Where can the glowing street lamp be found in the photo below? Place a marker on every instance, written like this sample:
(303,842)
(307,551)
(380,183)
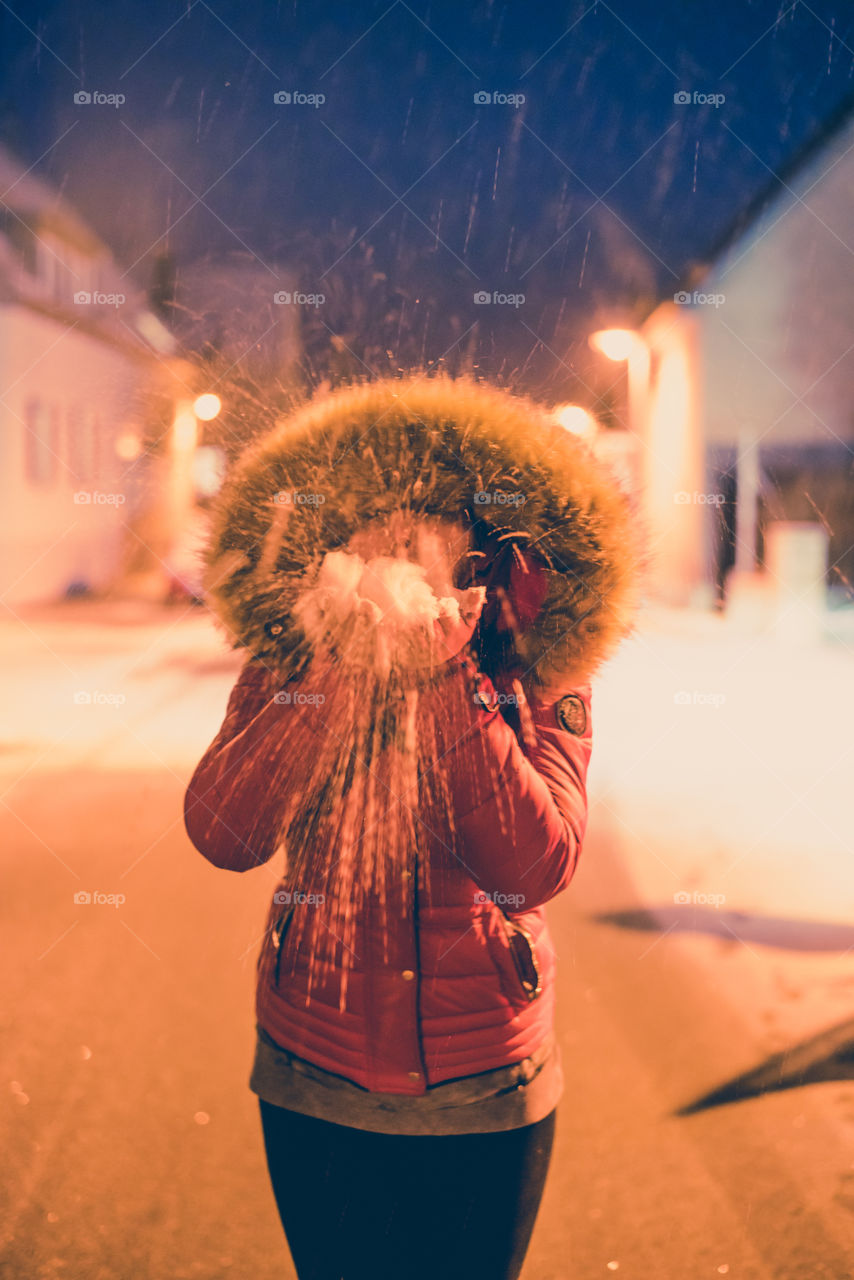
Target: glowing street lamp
(184,431)
(663,421)
(628,345)
(616,344)
(128,446)
(574,418)
(207,406)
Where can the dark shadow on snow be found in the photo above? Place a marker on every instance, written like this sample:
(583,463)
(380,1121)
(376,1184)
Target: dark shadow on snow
(827,1056)
(824,1057)
(771,931)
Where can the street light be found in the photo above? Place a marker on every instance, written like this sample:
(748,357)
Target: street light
(184,430)
(628,345)
(616,344)
(207,406)
(128,446)
(662,418)
(574,418)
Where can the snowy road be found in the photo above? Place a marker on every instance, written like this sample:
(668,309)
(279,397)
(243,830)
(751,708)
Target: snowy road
(132,1142)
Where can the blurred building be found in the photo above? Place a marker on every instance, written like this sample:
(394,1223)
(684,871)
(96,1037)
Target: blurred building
(750,416)
(242,315)
(88,382)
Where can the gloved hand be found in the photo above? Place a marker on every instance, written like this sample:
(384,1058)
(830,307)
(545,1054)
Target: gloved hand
(516,589)
(516,582)
(452,634)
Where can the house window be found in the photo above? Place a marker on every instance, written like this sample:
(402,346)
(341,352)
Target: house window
(62,282)
(22,238)
(82,445)
(41,440)
(59,281)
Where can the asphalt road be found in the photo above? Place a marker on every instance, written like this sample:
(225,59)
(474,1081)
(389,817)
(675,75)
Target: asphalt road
(131,1142)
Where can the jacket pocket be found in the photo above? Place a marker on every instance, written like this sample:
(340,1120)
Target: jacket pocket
(514,956)
(524,954)
(278,932)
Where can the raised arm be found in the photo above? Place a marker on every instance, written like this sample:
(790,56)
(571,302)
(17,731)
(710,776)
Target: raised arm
(229,813)
(521,811)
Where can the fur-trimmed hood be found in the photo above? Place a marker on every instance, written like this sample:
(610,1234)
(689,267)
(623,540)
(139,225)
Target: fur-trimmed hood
(454,449)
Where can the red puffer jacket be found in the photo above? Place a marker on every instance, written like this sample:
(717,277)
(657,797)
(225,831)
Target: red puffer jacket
(467,983)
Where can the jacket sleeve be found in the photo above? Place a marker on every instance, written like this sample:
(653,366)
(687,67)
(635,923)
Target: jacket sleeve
(229,815)
(519,813)
(521,810)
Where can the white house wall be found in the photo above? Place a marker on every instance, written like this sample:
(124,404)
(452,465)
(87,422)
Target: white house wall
(675,502)
(768,337)
(47,539)
(777,353)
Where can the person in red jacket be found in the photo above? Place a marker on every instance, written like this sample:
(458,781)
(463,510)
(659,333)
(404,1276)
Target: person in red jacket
(408,1127)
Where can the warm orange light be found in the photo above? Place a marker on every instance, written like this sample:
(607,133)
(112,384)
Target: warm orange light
(186,430)
(128,446)
(616,344)
(207,406)
(575,419)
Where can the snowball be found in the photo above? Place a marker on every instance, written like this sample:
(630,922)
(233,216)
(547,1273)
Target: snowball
(384,609)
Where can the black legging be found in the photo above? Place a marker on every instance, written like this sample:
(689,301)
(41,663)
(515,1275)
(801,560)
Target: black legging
(378,1206)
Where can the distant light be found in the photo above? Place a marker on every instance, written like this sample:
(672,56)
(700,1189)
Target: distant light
(575,419)
(207,406)
(186,429)
(616,344)
(208,470)
(155,333)
(128,446)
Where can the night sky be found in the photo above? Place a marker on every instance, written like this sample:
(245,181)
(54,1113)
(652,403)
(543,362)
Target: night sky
(591,197)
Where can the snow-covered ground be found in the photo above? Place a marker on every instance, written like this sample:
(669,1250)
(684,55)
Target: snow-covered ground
(724,757)
(721,769)
(118,684)
(737,791)
(727,757)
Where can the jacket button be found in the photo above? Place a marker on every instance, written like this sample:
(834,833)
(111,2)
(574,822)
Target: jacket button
(414,1075)
(407,975)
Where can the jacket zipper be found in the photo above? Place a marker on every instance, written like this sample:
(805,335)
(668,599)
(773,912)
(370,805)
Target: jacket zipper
(415,926)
